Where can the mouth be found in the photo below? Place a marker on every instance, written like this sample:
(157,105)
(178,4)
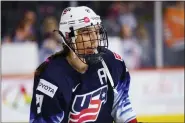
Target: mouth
(90,51)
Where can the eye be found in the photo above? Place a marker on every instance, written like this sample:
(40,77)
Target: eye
(85,33)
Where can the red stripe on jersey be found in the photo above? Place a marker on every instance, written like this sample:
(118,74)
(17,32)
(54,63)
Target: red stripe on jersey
(133,121)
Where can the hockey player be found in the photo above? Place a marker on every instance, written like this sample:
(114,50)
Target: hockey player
(85,82)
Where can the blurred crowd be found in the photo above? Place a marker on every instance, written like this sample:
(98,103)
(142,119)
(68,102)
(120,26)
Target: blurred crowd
(132,22)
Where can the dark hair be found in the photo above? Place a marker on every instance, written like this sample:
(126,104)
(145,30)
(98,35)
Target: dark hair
(62,53)
(65,51)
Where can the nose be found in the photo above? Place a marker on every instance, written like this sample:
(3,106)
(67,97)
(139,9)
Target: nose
(91,44)
(94,40)
(94,43)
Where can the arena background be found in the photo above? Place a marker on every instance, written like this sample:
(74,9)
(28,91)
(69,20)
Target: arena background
(148,35)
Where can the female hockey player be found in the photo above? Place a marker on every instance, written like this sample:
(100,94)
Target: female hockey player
(85,82)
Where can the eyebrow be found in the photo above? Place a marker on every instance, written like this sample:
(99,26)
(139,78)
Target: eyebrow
(84,29)
(87,29)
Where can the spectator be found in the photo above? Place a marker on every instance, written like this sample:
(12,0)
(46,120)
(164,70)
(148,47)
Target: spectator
(25,30)
(49,47)
(132,51)
(115,8)
(111,22)
(144,41)
(112,25)
(50,43)
(50,23)
(30,19)
(20,33)
(127,17)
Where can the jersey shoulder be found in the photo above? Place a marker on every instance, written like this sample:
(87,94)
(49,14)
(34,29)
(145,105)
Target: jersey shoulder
(51,67)
(52,73)
(113,57)
(115,64)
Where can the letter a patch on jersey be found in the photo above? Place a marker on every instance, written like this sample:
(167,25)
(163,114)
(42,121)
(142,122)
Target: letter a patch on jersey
(47,88)
(117,56)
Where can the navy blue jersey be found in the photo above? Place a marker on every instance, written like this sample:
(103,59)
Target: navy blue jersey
(63,95)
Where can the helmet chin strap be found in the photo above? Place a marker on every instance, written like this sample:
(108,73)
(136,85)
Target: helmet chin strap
(92,59)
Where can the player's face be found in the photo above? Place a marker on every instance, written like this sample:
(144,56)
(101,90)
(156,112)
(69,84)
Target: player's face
(87,40)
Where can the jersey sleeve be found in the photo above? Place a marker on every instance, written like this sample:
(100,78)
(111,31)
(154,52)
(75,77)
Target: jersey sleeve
(122,111)
(46,102)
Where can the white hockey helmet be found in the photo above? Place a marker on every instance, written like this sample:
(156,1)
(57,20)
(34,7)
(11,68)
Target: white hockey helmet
(75,18)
